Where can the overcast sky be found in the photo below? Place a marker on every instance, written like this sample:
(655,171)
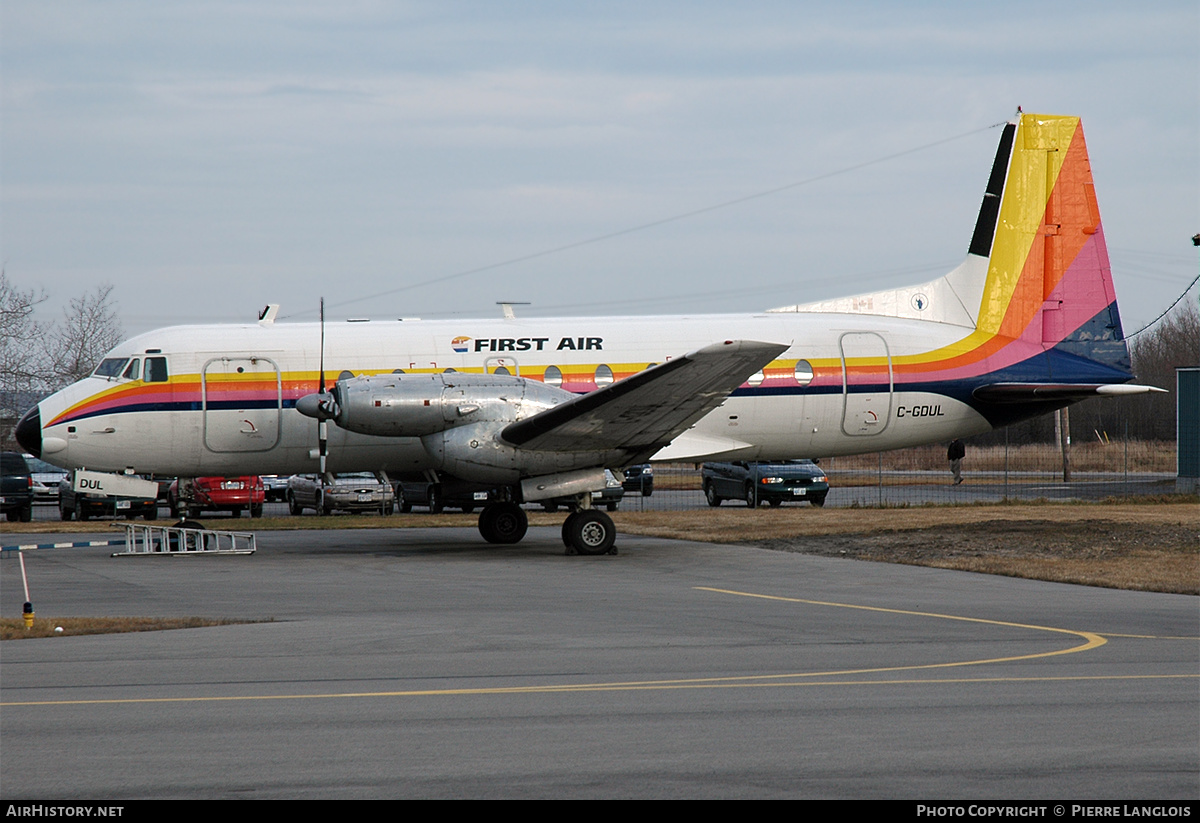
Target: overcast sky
(209,158)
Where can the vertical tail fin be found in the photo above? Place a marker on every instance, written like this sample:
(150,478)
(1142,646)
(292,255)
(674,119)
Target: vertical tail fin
(1048,280)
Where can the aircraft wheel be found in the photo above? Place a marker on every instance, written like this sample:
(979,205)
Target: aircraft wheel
(590,532)
(710,494)
(504,523)
(294,508)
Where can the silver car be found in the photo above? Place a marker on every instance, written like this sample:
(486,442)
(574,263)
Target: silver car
(359,492)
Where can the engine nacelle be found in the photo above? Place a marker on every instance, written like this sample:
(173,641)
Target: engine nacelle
(415,405)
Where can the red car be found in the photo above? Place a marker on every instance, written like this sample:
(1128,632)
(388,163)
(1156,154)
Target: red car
(231,494)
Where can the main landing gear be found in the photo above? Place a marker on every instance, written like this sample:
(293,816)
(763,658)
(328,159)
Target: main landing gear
(588,531)
(585,531)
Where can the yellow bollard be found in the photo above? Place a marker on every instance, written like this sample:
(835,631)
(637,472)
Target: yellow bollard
(27,614)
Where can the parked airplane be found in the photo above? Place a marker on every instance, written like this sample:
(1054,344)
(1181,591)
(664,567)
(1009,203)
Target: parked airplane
(538,408)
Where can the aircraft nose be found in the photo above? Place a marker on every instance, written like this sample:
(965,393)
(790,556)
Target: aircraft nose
(29,431)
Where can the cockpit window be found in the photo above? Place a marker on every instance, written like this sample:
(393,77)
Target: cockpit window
(156,370)
(134,370)
(110,367)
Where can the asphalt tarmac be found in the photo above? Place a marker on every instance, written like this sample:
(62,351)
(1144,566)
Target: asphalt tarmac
(425,663)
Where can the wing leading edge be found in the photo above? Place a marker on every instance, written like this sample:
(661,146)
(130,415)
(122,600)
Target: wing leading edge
(645,411)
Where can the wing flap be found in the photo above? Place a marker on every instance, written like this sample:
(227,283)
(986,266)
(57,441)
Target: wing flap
(648,409)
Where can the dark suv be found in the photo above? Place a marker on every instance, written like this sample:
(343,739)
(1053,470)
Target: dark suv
(799,480)
(16,487)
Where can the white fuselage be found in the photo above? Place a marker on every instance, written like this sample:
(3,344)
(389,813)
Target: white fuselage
(227,407)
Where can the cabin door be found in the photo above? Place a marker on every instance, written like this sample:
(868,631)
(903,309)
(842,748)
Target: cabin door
(866,384)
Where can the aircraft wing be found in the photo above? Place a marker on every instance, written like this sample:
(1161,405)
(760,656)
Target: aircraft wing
(645,411)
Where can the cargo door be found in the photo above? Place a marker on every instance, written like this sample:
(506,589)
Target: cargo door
(242,400)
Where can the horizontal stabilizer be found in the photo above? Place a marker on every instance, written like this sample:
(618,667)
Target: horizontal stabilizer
(1068,392)
(648,409)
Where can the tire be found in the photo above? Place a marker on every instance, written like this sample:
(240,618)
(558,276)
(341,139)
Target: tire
(173,505)
(818,501)
(294,508)
(65,513)
(775,503)
(467,508)
(235,511)
(710,494)
(612,507)
(550,506)
(151,513)
(256,510)
(319,504)
(401,503)
(751,498)
(81,513)
(591,532)
(503,523)
(26,514)
(647,491)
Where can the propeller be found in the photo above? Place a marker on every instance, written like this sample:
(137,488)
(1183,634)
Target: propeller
(323,406)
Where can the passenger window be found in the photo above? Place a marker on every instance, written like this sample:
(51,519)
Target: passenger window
(804,372)
(156,370)
(553,376)
(133,370)
(604,376)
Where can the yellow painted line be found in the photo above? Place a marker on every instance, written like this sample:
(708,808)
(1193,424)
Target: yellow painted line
(1091,641)
(662,685)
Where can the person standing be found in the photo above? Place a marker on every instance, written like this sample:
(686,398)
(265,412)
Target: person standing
(955,455)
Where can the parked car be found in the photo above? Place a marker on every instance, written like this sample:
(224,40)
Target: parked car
(74,505)
(16,488)
(773,483)
(275,486)
(609,497)
(46,478)
(436,498)
(359,492)
(639,480)
(231,494)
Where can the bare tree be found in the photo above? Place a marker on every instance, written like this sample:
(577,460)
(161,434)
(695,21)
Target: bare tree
(89,328)
(1171,343)
(22,339)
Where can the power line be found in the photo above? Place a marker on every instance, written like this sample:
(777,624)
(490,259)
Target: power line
(654,223)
